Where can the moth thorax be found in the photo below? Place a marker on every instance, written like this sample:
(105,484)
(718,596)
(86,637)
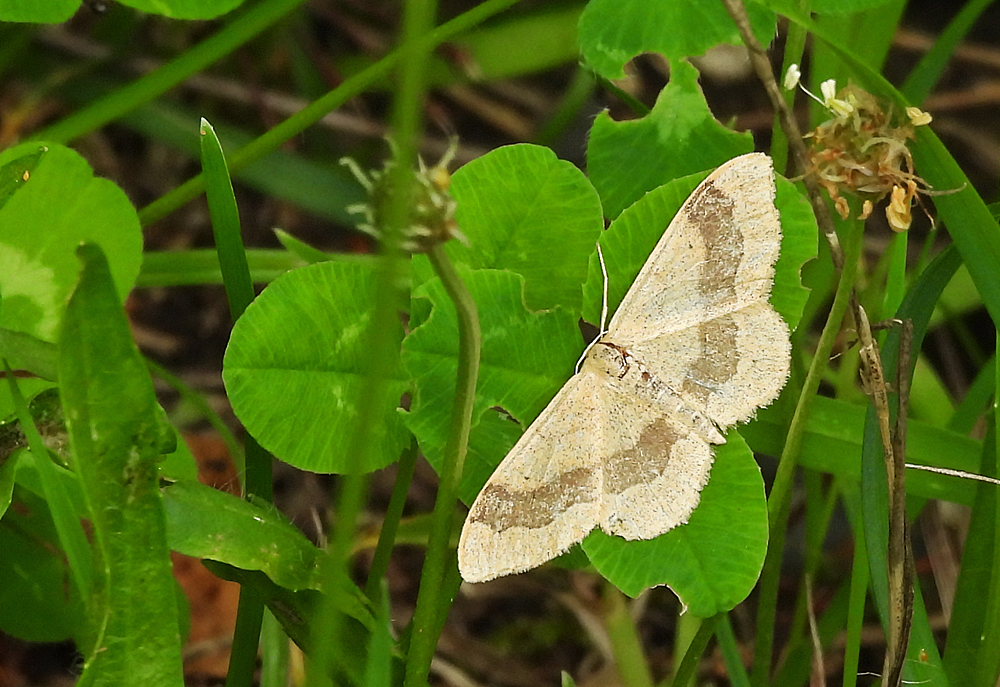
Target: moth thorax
(610,359)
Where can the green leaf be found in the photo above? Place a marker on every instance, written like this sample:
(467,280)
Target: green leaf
(799,237)
(184,9)
(830,7)
(295,368)
(709,563)
(28,353)
(525,358)
(36,603)
(296,611)
(41,226)
(54,483)
(8,469)
(612,32)
(116,438)
(523,209)
(16,173)
(48,12)
(208,523)
(680,136)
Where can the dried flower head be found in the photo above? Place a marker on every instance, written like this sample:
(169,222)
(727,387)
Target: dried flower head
(862,149)
(431,208)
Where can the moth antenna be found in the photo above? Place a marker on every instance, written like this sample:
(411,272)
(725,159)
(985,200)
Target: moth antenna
(604,311)
(604,301)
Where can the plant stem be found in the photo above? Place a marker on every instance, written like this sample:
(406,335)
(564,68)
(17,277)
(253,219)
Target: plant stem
(629,658)
(425,629)
(390,525)
(780,497)
(688,667)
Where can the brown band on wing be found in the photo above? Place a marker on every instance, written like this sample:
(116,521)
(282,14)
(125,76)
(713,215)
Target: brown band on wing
(641,463)
(718,360)
(714,215)
(502,508)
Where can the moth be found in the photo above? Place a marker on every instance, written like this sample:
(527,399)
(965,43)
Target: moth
(694,348)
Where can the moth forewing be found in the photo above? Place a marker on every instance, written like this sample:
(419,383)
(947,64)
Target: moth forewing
(546,494)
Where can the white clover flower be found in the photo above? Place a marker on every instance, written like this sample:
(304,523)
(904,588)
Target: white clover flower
(829,90)
(792,77)
(842,109)
(918,117)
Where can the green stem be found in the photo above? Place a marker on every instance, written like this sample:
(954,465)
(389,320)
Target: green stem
(629,658)
(780,496)
(390,525)
(858,596)
(201,405)
(309,115)
(687,670)
(246,637)
(437,565)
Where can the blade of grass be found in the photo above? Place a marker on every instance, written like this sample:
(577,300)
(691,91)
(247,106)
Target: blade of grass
(858,596)
(275,653)
(207,412)
(257,481)
(868,35)
(301,248)
(310,114)
(819,512)
(201,266)
(989,662)
(225,223)
(378,669)
(923,77)
(797,667)
(67,522)
(977,399)
(243,28)
(795,44)
(317,187)
(971,225)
